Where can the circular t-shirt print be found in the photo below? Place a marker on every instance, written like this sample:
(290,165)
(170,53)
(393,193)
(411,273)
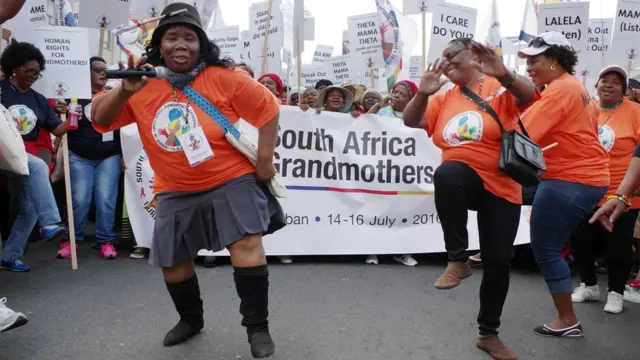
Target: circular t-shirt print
(463,128)
(169,124)
(24,118)
(87,111)
(607,137)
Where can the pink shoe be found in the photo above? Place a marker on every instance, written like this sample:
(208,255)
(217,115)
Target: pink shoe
(108,251)
(65,251)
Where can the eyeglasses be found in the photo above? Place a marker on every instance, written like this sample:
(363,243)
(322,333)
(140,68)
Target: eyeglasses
(32,73)
(99,69)
(537,42)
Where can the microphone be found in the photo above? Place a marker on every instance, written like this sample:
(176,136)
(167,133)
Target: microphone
(158,73)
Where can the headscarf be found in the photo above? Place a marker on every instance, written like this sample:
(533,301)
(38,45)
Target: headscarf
(296,90)
(372,91)
(413,88)
(276,79)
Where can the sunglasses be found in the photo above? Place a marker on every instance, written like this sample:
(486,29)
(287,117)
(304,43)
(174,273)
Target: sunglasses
(537,42)
(452,54)
(99,70)
(32,73)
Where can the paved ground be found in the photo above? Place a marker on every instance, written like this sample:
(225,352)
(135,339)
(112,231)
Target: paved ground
(320,311)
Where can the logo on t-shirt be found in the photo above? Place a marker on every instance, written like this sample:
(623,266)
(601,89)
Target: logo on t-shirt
(607,137)
(463,128)
(24,118)
(170,123)
(87,111)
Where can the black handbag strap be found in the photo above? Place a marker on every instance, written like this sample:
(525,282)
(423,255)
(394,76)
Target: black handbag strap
(489,110)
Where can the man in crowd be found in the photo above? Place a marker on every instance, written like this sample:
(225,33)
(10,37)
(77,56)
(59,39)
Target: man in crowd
(10,319)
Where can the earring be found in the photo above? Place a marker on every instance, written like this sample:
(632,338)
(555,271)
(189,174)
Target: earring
(553,67)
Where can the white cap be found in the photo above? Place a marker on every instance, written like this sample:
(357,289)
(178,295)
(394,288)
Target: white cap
(543,42)
(615,69)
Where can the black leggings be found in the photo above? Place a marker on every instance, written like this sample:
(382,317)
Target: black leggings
(618,248)
(458,188)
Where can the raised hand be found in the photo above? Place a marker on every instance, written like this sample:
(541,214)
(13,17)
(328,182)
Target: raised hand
(432,80)
(487,61)
(132,85)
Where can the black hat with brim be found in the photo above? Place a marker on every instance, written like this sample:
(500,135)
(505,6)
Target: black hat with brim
(190,17)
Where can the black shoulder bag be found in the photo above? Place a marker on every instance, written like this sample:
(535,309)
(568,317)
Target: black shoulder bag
(520,158)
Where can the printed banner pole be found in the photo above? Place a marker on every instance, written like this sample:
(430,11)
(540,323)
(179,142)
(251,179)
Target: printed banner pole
(101,42)
(299,62)
(372,77)
(67,188)
(265,50)
(423,63)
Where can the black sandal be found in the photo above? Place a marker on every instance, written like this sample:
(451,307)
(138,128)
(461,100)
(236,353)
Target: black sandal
(571,331)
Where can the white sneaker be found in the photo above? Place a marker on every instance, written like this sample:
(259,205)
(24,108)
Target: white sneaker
(615,303)
(632,294)
(585,293)
(10,319)
(371,260)
(286,259)
(406,260)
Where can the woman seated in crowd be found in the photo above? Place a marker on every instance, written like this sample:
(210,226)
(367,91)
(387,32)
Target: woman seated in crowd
(22,64)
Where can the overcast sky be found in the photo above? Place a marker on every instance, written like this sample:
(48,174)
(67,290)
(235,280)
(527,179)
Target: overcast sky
(331,16)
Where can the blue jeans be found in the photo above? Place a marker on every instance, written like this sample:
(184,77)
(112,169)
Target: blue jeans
(558,207)
(95,180)
(36,203)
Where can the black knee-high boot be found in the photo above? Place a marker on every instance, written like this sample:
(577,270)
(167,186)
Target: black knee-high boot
(252,285)
(186,297)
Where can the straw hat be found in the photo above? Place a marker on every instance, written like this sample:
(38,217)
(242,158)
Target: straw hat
(348,97)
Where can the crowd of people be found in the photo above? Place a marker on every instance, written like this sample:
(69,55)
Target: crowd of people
(591,174)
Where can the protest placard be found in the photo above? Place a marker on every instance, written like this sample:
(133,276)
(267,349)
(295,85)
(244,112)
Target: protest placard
(105,14)
(66,53)
(598,45)
(257,29)
(244,48)
(570,19)
(311,74)
(624,45)
(340,68)
(450,22)
(415,71)
(365,41)
(415,7)
(228,40)
(34,13)
(145,9)
(322,53)
(380,81)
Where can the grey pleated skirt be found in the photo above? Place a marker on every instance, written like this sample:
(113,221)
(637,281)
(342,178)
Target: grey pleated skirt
(187,222)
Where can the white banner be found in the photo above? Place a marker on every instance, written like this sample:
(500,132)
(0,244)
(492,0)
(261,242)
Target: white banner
(598,46)
(570,19)
(356,186)
(145,9)
(66,53)
(365,42)
(228,40)
(322,53)
(625,45)
(107,14)
(311,74)
(450,22)
(341,68)
(245,47)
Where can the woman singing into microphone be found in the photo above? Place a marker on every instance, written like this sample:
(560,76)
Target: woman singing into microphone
(209,196)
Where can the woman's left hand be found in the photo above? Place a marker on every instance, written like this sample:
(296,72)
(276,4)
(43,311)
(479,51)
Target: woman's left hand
(608,213)
(265,170)
(61,107)
(487,61)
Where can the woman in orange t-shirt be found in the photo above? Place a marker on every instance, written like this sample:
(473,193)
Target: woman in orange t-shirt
(469,178)
(619,132)
(577,173)
(209,196)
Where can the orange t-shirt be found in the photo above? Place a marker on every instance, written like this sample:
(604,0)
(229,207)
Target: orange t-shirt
(161,119)
(566,114)
(619,133)
(471,136)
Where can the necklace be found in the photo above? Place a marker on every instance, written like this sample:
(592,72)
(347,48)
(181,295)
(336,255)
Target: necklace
(393,111)
(610,115)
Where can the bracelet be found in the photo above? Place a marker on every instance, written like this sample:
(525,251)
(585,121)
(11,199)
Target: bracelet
(620,197)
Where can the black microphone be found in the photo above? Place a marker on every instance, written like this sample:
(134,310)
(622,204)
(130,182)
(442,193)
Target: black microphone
(158,73)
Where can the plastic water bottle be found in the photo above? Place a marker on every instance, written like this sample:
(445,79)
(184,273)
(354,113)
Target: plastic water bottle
(74,114)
